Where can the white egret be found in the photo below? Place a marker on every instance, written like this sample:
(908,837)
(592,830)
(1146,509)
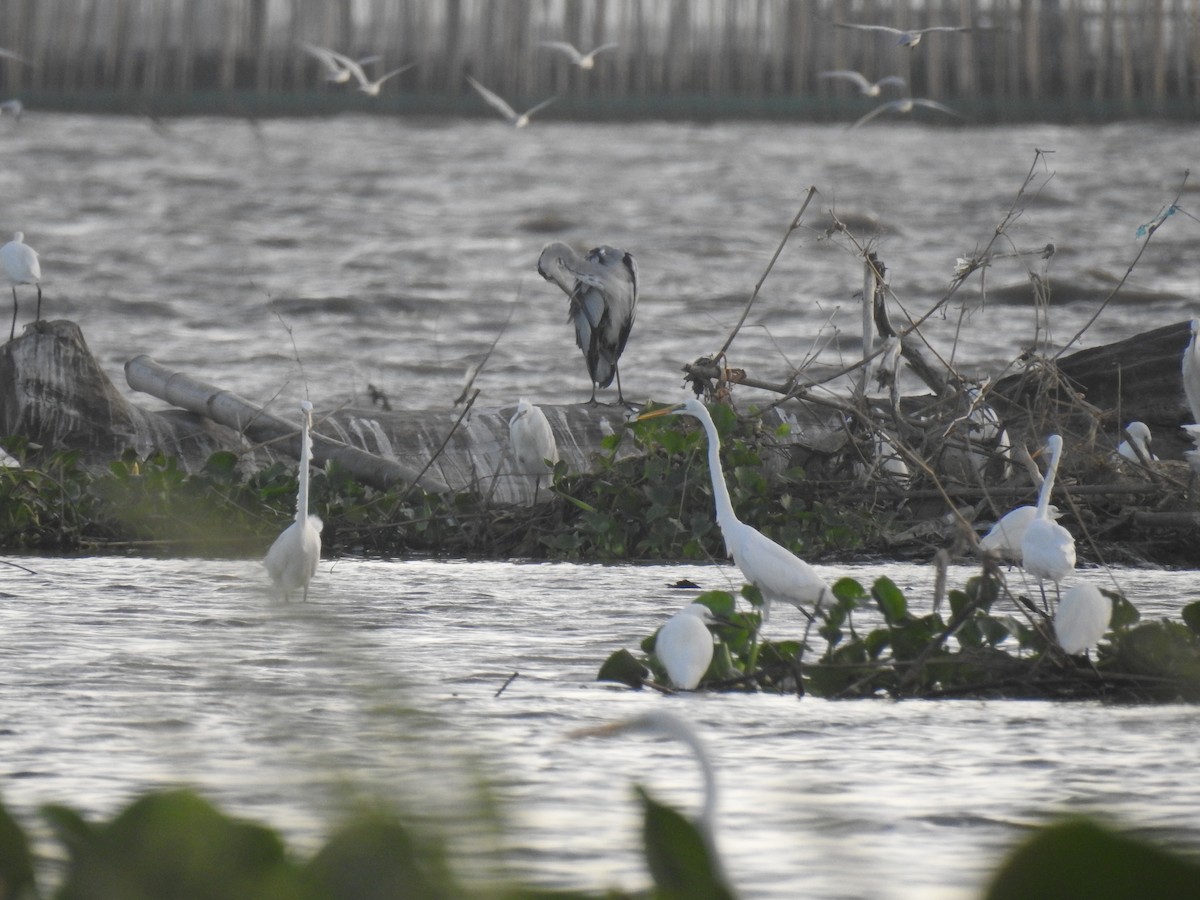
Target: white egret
(1048,549)
(1137,448)
(1005,536)
(663,723)
(21,266)
(904,105)
(1191,372)
(603,292)
(777,572)
(865,87)
(908,38)
(1082,618)
(496,102)
(684,646)
(532,442)
(582,60)
(292,560)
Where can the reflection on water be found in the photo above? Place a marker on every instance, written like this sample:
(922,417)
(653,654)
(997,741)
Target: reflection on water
(125,674)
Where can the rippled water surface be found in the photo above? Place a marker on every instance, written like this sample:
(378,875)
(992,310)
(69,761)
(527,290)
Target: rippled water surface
(395,250)
(125,674)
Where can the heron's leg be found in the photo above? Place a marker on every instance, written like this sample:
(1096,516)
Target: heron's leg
(12,332)
(591,402)
(38,315)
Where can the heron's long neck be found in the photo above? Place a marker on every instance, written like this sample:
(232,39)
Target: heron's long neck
(305,454)
(725,513)
(1043,507)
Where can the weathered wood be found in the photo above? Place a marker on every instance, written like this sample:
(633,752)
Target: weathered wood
(235,412)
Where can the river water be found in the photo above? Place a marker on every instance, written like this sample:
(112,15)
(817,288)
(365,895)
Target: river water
(125,674)
(322,255)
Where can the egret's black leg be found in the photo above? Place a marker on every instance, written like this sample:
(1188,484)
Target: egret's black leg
(38,316)
(12,332)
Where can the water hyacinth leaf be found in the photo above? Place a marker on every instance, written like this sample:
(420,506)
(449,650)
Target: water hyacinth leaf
(623,668)
(1082,859)
(849,592)
(1124,613)
(677,855)
(376,858)
(176,844)
(891,600)
(16,863)
(722,603)
(753,595)
(1191,616)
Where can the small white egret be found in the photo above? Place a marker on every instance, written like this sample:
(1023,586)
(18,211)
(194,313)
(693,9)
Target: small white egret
(603,292)
(1137,448)
(1048,549)
(908,38)
(496,102)
(777,572)
(21,266)
(532,442)
(292,560)
(1082,618)
(661,723)
(582,60)
(684,646)
(1191,372)
(904,105)
(865,87)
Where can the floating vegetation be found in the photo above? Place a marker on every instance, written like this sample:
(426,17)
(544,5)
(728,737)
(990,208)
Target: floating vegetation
(993,644)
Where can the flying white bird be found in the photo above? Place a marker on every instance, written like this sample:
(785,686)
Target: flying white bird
(341,69)
(332,62)
(1137,448)
(498,103)
(904,105)
(532,442)
(1082,618)
(582,60)
(292,560)
(908,39)
(865,87)
(1048,549)
(777,572)
(603,292)
(21,266)
(684,646)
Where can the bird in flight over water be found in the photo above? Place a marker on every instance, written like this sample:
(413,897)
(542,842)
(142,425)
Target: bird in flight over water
(910,38)
(582,60)
(496,102)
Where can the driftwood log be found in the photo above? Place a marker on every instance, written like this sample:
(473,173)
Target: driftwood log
(54,395)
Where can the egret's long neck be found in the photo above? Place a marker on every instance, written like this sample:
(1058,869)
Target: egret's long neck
(725,513)
(1043,506)
(305,455)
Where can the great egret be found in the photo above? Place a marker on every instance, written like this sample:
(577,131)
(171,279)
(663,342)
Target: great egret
(909,38)
(1137,448)
(865,87)
(532,442)
(292,560)
(777,572)
(603,292)
(1048,549)
(1004,538)
(1082,618)
(1191,372)
(582,60)
(496,102)
(904,105)
(21,266)
(660,722)
(684,646)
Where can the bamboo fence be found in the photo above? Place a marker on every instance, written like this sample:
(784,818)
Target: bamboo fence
(1023,57)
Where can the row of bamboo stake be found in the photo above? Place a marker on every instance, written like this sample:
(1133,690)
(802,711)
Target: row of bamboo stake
(1137,55)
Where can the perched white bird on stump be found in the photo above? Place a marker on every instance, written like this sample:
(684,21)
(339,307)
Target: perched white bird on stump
(21,266)
(532,442)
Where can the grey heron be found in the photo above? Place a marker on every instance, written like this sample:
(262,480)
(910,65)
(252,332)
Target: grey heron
(603,292)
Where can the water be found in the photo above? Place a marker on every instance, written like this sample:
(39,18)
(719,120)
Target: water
(128,674)
(326,254)
(322,255)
